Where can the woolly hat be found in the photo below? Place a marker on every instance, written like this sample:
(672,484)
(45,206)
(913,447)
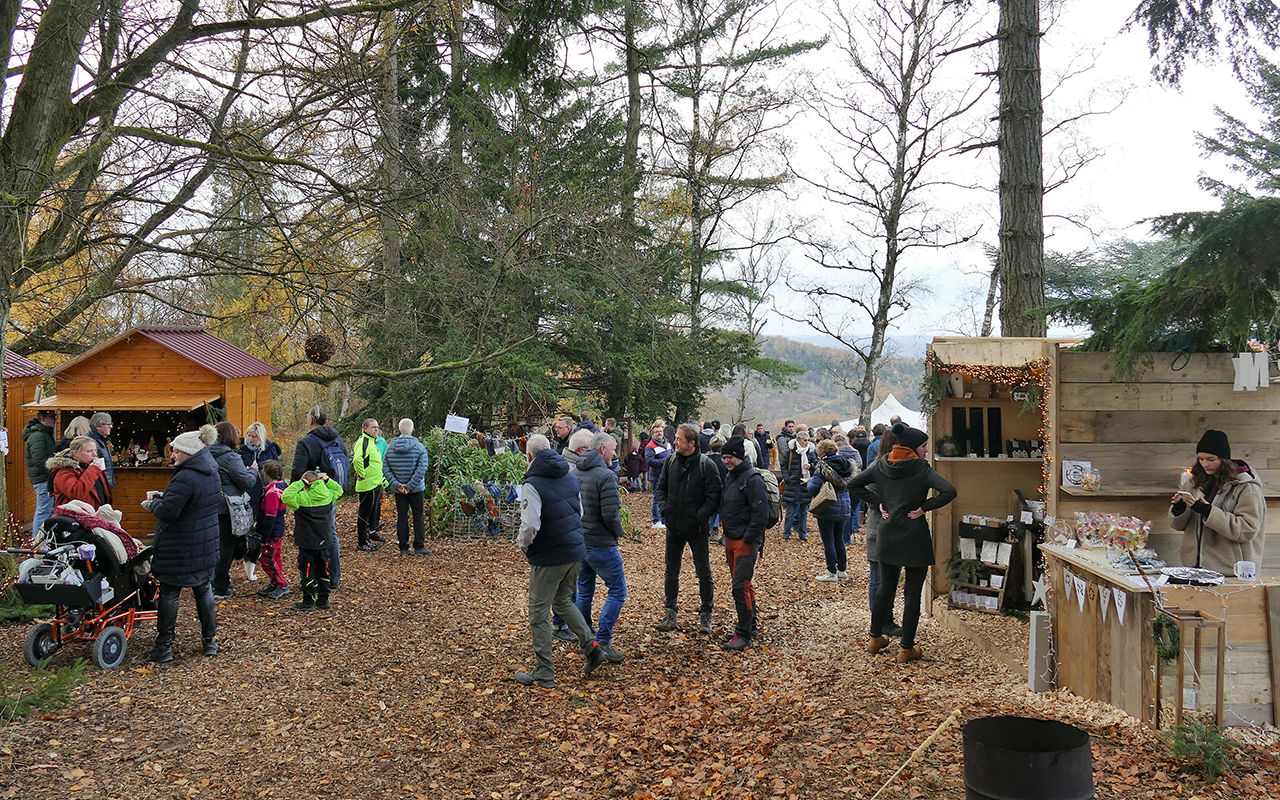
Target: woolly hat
(908,436)
(734,447)
(188,443)
(1215,442)
(208,434)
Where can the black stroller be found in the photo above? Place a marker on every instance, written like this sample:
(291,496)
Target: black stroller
(99,592)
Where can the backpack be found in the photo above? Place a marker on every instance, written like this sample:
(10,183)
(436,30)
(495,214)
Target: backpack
(775,497)
(241,511)
(335,462)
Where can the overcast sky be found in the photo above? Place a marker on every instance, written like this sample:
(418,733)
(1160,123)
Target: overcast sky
(1149,165)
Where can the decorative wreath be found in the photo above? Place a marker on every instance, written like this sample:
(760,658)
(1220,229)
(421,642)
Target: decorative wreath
(319,348)
(1167,638)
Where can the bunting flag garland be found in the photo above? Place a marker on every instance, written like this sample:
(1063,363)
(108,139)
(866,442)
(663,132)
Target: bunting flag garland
(1081,588)
(1068,583)
(1121,600)
(1105,605)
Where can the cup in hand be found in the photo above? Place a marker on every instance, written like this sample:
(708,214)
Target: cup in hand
(1246,570)
(152,495)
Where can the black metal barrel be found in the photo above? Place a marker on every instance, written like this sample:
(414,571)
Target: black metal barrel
(1016,758)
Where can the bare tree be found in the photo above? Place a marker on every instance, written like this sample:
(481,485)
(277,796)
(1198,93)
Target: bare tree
(891,121)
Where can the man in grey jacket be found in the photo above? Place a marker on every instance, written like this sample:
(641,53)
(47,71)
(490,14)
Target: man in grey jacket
(405,468)
(601,530)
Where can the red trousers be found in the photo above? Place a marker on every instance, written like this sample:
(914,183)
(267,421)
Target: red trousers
(742,566)
(271,563)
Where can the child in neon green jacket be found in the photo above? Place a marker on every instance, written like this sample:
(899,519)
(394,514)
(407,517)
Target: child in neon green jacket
(312,497)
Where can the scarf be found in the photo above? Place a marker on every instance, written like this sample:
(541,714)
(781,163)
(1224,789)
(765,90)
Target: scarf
(901,453)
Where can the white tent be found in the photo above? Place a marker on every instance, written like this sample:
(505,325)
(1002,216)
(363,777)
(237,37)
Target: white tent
(889,408)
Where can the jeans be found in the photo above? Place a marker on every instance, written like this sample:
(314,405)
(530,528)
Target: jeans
(167,613)
(873,586)
(852,524)
(552,587)
(335,547)
(796,516)
(700,548)
(44,507)
(882,608)
(832,533)
(406,503)
(657,512)
(605,562)
(742,566)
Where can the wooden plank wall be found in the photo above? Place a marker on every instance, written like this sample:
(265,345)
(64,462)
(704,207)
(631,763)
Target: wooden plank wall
(19,493)
(139,365)
(1142,432)
(248,401)
(132,485)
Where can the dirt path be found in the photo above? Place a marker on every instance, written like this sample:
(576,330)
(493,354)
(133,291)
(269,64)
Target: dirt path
(404,689)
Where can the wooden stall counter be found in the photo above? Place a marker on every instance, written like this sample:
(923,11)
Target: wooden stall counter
(1105,656)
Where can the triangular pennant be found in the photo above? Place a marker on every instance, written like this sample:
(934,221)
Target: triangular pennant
(1121,599)
(1081,588)
(1105,605)
(1068,583)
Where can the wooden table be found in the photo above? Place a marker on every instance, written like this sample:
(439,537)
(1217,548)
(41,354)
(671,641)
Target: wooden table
(1101,659)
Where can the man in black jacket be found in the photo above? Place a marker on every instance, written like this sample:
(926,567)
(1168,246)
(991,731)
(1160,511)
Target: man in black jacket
(601,530)
(744,512)
(37,439)
(688,492)
(307,458)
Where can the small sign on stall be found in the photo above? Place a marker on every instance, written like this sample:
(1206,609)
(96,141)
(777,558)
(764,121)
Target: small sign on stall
(456,424)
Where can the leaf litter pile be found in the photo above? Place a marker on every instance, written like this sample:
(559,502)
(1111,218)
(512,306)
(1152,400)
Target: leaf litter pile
(404,689)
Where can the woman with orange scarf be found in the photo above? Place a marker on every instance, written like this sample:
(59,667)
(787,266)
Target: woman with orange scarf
(897,486)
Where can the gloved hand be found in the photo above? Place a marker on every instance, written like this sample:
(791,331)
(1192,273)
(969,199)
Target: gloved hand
(1202,508)
(149,504)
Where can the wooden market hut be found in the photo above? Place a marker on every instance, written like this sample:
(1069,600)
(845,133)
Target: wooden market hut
(1139,432)
(22,379)
(157,382)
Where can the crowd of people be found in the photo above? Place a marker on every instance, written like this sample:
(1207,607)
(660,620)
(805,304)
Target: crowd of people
(709,484)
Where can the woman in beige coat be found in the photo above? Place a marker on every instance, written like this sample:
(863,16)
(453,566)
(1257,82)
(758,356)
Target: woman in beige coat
(1225,520)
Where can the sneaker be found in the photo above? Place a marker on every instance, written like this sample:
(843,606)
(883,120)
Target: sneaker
(737,642)
(404,552)
(893,630)
(376,537)
(668,621)
(842,575)
(804,538)
(612,654)
(704,622)
(305,605)
(564,635)
(224,594)
(369,548)
(160,655)
(659,526)
(266,591)
(322,601)
(594,659)
(210,647)
(527,679)
(422,551)
(827,577)
(876,644)
(909,654)
(278,592)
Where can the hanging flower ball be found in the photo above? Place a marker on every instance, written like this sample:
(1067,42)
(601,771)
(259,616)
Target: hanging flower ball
(319,348)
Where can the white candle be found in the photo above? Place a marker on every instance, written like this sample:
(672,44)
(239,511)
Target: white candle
(1184,482)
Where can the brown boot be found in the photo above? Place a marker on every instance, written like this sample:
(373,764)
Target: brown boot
(877,643)
(907,654)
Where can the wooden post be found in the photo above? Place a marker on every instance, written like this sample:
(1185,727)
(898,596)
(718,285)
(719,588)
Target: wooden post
(1222,669)
(1273,644)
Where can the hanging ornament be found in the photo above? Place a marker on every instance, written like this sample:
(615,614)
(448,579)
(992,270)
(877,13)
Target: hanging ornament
(319,348)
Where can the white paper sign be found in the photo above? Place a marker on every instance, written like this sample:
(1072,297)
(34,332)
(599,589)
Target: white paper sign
(4,438)
(456,424)
(1073,471)
(1122,600)
(1104,602)
(1048,522)
(997,581)
(1068,583)
(1027,518)
(968,550)
(1081,587)
(1004,554)
(989,552)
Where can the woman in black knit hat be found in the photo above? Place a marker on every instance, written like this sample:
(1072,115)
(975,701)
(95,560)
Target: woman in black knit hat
(1223,514)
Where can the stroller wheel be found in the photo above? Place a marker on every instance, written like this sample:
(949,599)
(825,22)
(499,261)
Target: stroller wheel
(109,648)
(40,644)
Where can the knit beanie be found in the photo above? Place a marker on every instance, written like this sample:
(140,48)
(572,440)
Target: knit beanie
(188,443)
(734,447)
(908,436)
(1215,442)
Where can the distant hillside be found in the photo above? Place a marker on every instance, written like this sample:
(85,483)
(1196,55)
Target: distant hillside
(819,396)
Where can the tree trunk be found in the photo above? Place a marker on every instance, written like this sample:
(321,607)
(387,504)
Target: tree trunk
(993,291)
(457,86)
(392,172)
(695,189)
(1021,258)
(631,150)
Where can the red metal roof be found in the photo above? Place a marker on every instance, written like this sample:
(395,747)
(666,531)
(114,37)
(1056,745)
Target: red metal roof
(15,366)
(214,354)
(196,344)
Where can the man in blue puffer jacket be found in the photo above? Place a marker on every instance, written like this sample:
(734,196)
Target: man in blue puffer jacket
(551,538)
(405,468)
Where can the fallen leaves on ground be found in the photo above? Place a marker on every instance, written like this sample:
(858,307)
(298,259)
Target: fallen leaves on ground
(404,689)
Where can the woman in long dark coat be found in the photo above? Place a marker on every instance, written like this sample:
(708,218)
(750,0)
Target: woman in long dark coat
(186,543)
(897,486)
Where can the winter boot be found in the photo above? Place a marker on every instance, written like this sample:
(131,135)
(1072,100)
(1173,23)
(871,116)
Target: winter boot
(668,622)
